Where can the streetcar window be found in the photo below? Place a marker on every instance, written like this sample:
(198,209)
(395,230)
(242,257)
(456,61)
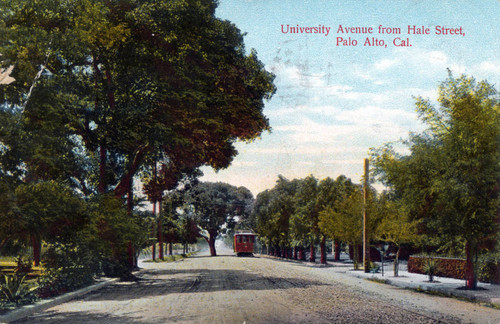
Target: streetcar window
(244,239)
(239,239)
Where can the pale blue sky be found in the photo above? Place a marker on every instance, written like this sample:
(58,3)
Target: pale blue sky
(333,103)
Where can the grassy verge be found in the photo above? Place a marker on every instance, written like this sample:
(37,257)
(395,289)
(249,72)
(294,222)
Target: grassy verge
(383,281)
(442,294)
(172,258)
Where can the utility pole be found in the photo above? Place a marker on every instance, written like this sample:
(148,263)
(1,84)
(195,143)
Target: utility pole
(366,243)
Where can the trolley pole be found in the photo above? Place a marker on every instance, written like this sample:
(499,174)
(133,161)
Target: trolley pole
(366,243)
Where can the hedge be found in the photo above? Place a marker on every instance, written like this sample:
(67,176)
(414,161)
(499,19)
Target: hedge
(446,267)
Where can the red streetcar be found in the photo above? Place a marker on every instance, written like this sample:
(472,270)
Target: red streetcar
(243,243)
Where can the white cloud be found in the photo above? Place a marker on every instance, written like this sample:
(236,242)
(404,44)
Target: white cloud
(324,110)
(385,64)
(373,115)
(244,163)
(367,126)
(433,57)
(489,67)
(343,162)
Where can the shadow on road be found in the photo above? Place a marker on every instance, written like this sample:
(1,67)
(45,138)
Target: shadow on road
(165,281)
(78,317)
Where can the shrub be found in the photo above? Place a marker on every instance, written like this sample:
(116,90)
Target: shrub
(67,267)
(16,290)
(430,268)
(24,264)
(488,268)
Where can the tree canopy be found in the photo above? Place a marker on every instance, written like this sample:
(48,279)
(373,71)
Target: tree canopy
(450,178)
(97,94)
(216,207)
(132,79)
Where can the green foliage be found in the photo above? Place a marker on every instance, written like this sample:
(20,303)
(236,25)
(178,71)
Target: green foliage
(395,226)
(102,89)
(15,289)
(50,210)
(214,206)
(112,230)
(67,267)
(488,268)
(449,180)
(136,80)
(430,268)
(272,211)
(342,208)
(304,218)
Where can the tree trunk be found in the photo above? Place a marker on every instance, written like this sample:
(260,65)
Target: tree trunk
(153,247)
(160,240)
(36,242)
(302,255)
(130,207)
(470,275)
(396,263)
(130,197)
(336,244)
(312,256)
(170,249)
(130,252)
(323,250)
(102,169)
(211,244)
(355,258)
(102,149)
(295,253)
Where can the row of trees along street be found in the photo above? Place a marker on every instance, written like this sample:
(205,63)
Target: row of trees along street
(104,95)
(442,196)
(109,95)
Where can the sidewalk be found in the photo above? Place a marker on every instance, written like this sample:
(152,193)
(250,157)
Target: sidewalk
(487,293)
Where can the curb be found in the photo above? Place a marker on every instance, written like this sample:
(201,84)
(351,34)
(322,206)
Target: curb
(27,310)
(454,292)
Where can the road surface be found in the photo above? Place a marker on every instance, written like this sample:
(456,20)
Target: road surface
(228,289)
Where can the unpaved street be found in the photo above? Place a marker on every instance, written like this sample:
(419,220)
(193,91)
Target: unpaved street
(228,289)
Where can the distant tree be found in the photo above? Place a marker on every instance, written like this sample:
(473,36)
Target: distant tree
(395,226)
(345,221)
(215,207)
(188,231)
(273,209)
(304,222)
(450,178)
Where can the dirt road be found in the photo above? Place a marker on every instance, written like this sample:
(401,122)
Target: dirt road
(228,289)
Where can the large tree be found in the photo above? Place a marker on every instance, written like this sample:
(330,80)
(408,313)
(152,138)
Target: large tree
(450,178)
(215,207)
(135,79)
